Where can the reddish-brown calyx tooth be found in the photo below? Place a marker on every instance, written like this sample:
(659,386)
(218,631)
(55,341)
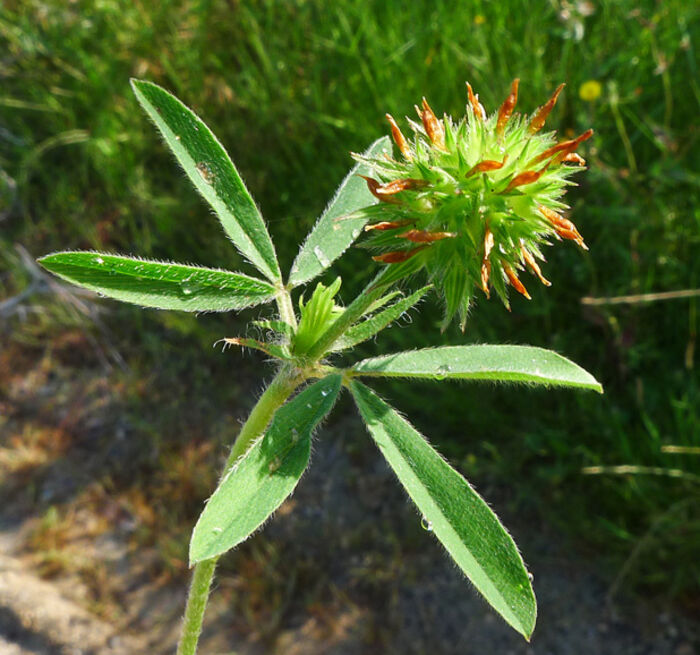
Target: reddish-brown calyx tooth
(541,114)
(563,227)
(399,138)
(478,110)
(506,109)
(526,177)
(485,262)
(404,184)
(372,185)
(573,235)
(564,147)
(573,158)
(433,126)
(534,266)
(397,256)
(424,236)
(515,281)
(387,225)
(374,188)
(486,165)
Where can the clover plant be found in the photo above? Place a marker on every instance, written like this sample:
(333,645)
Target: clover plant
(461,206)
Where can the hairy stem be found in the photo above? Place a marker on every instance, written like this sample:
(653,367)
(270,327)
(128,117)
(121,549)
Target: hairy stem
(286,308)
(196,604)
(281,387)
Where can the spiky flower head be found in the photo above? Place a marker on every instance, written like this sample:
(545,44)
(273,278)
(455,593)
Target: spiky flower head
(471,203)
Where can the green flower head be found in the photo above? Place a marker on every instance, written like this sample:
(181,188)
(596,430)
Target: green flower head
(472,202)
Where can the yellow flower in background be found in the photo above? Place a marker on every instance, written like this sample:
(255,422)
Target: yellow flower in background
(590,90)
(479,19)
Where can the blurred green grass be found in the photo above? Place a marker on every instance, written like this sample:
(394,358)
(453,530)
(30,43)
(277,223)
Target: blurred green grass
(290,88)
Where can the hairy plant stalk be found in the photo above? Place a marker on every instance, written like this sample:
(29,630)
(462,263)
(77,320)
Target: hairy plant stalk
(281,387)
(284,383)
(286,308)
(196,604)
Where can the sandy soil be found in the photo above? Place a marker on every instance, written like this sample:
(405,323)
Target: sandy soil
(330,588)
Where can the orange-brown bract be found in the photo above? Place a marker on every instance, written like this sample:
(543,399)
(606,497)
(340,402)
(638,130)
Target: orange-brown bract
(433,126)
(486,165)
(541,114)
(506,110)
(398,256)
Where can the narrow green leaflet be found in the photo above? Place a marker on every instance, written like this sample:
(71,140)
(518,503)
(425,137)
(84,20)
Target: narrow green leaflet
(379,303)
(261,480)
(460,519)
(367,329)
(158,284)
(211,170)
(335,231)
(273,349)
(498,363)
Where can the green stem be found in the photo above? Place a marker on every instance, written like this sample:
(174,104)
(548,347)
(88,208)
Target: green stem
(281,387)
(196,604)
(286,307)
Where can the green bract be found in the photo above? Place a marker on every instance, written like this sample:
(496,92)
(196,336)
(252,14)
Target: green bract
(475,200)
(315,316)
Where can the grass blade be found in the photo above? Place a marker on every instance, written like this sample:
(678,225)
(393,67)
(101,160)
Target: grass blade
(158,284)
(211,170)
(460,519)
(496,363)
(261,480)
(335,231)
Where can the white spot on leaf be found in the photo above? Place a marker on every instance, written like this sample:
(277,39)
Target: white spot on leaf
(321,256)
